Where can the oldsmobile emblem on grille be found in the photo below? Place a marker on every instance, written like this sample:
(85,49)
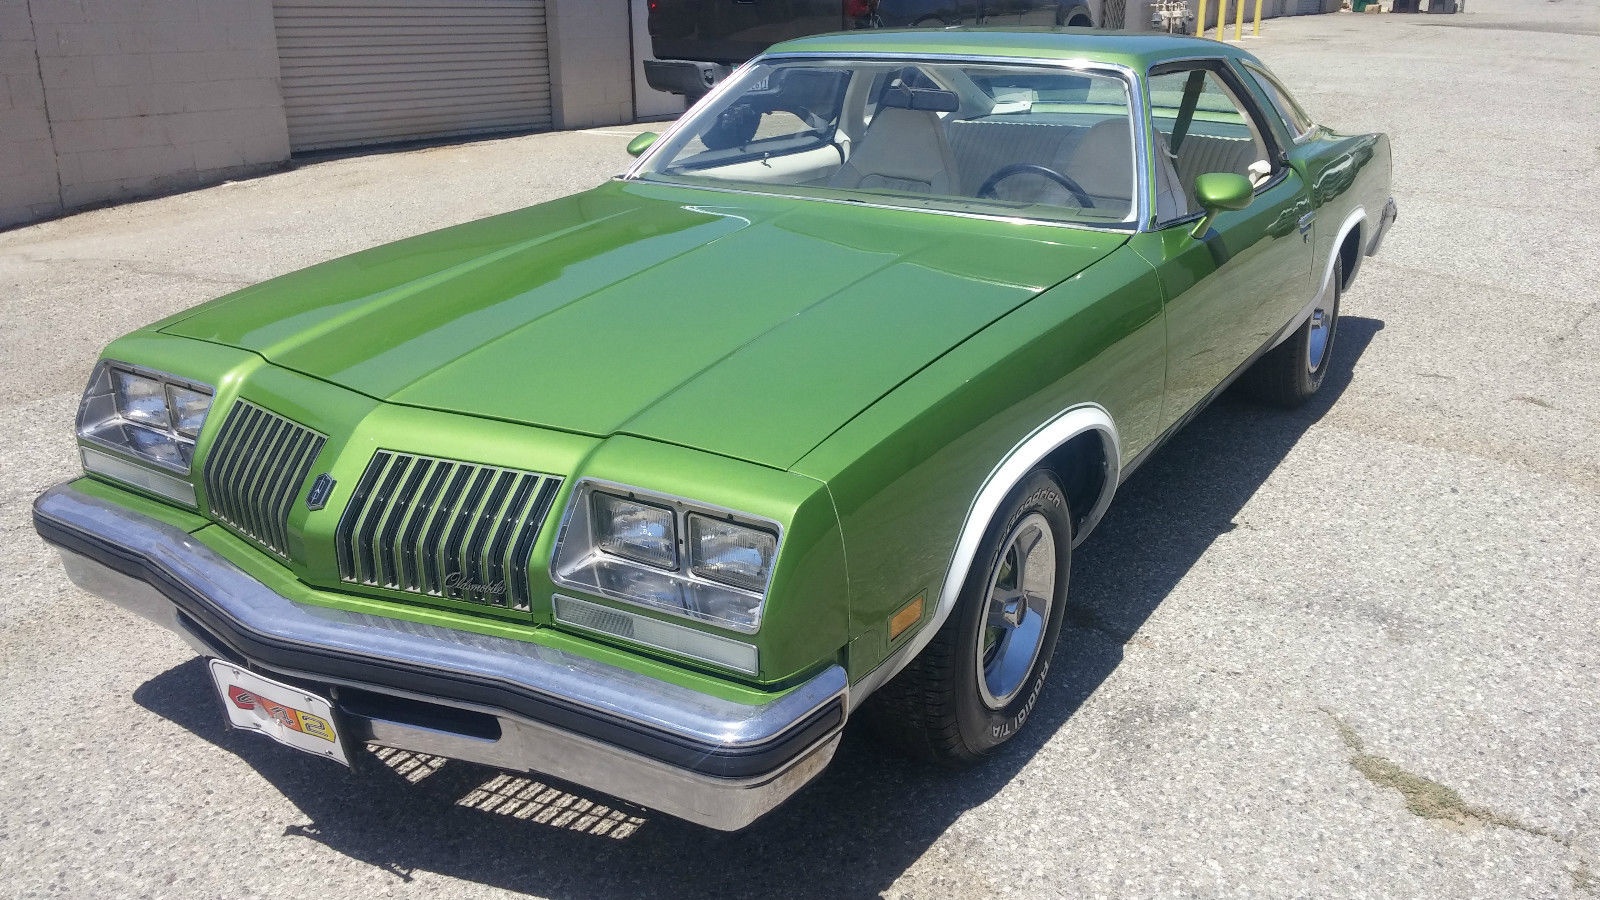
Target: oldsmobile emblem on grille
(458,581)
(321,489)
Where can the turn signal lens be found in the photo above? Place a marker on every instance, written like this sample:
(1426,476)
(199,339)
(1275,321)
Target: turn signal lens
(909,615)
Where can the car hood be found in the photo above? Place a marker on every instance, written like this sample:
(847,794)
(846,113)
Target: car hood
(749,326)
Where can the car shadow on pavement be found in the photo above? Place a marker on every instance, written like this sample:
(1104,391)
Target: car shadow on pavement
(871,814)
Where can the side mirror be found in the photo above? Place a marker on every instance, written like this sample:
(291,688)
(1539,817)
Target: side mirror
(1219,191)
(642,143)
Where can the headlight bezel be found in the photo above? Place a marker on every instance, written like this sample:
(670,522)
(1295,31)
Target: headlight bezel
(102,412)
(577,558)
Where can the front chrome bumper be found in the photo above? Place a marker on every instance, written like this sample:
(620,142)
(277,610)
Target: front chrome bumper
(458,694)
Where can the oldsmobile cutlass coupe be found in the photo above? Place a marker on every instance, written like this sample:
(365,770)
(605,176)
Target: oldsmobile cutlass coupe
(653,487)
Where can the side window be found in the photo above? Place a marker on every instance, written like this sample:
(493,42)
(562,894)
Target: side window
(1294,117)
(1202,126)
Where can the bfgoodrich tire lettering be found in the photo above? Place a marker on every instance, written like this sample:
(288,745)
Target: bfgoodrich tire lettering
(955,702)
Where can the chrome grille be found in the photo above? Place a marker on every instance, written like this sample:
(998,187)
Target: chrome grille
(255,470)
(444,528)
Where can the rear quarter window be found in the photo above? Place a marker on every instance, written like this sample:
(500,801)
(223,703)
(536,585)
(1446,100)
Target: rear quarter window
(1293,116)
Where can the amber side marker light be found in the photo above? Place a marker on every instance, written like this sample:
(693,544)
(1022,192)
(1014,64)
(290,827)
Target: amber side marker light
(909,615)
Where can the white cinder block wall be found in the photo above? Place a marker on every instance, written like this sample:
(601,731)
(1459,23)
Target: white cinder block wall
(137,98)
(109,100)
(591,62)
(28,185)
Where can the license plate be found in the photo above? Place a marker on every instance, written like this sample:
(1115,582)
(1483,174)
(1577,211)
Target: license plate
(287,714)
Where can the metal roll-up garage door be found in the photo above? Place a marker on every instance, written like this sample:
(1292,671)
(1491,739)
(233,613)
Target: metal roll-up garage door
(380,71)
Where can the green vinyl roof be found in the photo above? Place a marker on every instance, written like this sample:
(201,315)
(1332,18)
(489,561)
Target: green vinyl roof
(1136,50)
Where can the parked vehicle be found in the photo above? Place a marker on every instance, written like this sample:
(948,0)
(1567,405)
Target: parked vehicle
(653,487)
(696,43)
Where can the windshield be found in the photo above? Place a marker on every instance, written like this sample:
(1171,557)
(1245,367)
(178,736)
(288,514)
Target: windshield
(980,137)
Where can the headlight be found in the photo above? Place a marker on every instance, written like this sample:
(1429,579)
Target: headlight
(730,553)
(150,416)
(627,544)
(638,531)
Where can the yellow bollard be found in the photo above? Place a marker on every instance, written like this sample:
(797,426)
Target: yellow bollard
(1238,19)
(1258,18)
(1200,21)
(1222,17)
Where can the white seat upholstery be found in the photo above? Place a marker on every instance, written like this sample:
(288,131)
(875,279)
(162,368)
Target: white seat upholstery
(1102,165)
(1203,153)
(1172,201)
(984,148)
(902,150)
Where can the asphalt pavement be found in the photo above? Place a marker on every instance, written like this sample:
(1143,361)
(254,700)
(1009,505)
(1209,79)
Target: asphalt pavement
(1350,651)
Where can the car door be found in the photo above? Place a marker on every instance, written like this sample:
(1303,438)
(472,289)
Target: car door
(1231,290)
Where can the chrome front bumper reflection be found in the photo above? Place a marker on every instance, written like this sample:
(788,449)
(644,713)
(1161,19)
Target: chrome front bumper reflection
(710,761)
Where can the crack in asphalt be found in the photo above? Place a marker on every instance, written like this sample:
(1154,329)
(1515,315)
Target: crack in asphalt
(1428,799)
(1571,331)
(130,266)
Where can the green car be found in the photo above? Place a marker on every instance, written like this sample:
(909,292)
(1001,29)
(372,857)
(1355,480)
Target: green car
(652,488)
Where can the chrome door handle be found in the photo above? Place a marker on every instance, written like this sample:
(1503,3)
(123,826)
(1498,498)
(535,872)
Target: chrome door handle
(1305,222)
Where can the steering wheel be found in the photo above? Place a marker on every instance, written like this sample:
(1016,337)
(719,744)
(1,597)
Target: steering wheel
(993,181)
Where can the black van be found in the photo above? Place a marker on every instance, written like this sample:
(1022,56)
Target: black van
(696,43)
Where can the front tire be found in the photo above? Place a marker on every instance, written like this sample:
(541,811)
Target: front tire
(974,686)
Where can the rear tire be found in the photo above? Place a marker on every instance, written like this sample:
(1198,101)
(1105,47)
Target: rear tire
(1290,373)
(974,686)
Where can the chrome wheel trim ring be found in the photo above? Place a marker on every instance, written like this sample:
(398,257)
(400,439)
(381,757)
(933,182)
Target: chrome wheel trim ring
(1016,612)
(1319,337)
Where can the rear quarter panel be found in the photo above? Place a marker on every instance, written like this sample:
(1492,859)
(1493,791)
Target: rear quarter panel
(1349,183)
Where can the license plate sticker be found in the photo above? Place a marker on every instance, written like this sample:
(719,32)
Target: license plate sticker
(287,714)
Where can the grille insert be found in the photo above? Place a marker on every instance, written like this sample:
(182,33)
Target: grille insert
(444,528)
(255,470)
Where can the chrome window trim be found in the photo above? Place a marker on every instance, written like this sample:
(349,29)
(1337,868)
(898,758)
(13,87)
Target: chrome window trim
(1137,109)
(1273,150)
(1259,72)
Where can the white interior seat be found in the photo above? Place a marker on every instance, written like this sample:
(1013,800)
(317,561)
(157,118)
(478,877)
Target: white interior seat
(902,150)
(1102,165)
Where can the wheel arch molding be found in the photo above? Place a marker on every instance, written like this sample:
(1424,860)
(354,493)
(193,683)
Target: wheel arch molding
(1038,449)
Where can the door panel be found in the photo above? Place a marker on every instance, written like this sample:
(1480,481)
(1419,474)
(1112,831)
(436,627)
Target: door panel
(1231,292)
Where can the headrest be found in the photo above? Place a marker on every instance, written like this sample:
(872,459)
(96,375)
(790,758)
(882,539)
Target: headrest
(920,98)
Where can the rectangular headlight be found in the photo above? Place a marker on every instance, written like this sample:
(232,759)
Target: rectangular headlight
(188,409)
(150,416)
(642,532)
(626,544)
(730,553)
